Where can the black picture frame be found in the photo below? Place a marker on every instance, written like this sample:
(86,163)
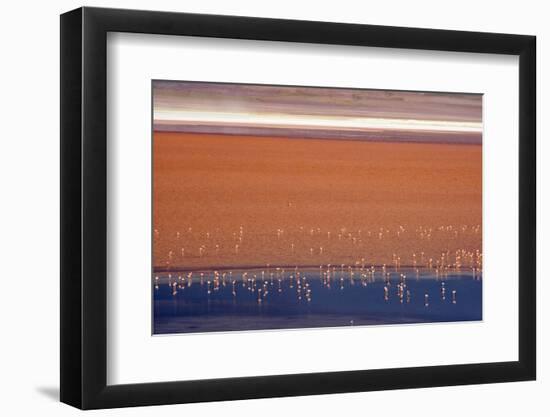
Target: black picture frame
(84,207)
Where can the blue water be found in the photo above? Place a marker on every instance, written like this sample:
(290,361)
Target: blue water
(182,308)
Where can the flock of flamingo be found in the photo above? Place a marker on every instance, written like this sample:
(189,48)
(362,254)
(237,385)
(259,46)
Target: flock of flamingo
(218,261)
(263,282)
(193,248)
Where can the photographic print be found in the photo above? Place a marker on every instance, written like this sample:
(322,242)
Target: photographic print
(292,207)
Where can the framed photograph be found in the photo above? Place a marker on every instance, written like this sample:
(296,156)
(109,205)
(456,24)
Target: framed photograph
(255,208)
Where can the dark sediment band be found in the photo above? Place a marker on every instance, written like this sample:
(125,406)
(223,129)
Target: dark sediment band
(370,135)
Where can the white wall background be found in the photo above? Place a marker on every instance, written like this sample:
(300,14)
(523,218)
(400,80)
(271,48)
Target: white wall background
(29,225)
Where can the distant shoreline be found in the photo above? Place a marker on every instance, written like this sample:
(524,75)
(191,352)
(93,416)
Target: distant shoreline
(373,136)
